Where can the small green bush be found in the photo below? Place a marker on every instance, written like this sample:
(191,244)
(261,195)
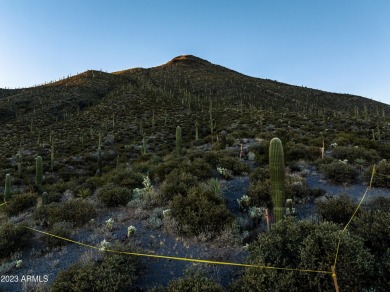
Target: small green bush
(260,174)
(196,281)
(199,168)
(260,194)
(20,203)
(13,237)
(339,172)
(338,209)
(63,229)
(305,245)
(382,175)
(353,153)
(77,211)
(112,196)
(201,211)
(233,164)
(114,273)
(177,182)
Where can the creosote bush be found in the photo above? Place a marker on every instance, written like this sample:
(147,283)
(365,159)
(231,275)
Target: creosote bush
(77,211)
(13,237)
(336,209)
(339,172)
(305,245)
(20,203)
(177,183)
(112,196)
(382,176)
(115,272)
(193,281)
(201,211)
(63,229)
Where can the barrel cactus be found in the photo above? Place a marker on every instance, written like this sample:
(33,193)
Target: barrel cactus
(276,169)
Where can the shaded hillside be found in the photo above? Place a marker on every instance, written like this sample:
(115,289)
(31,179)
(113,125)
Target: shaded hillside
(123,107)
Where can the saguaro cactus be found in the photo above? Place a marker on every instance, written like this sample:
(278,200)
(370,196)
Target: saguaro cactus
(178,140)
(7,189)
(276,169)
(39,173)
(45,198)
(223,140)
(52,155)
(100,163)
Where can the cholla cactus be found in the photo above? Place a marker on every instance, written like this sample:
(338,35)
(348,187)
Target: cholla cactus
(131,230)
(147,183)
(104,245)
(243,202)
(289,207)
(224,172)
(18,263)
(109,224)
(166,213)
(251,156)
(256,213)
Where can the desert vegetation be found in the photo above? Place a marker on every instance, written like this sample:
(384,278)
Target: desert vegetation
(190,159)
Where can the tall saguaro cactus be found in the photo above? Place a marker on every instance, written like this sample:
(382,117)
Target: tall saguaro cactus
(7,189)
(178,140)
(223,140)
(276,168)
(39,173)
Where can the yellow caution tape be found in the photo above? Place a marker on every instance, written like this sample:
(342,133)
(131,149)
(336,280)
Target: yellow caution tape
(181,258)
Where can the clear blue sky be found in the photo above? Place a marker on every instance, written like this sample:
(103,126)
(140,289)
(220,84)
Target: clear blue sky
(333,45)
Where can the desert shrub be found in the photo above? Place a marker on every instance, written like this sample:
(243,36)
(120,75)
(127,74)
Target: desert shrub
(114,273)
(195,281)
(13,237)
(353,153)
(77,211)
(20,202)
(233,164)
(177,182)
(260,194)
(316,193)
(336,209)
(369,224)
(125,177)
(54,197)
(62,229)
(295,152)
(201,211)
(261,152)
(161,170)
(213,157)
(339,172)
(304,245)
(382,175)
(199,168)
(260,174)
(296,187)
(94,182)
(112,196)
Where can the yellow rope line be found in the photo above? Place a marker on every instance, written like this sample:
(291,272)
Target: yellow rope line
(181,258)
(353,215)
